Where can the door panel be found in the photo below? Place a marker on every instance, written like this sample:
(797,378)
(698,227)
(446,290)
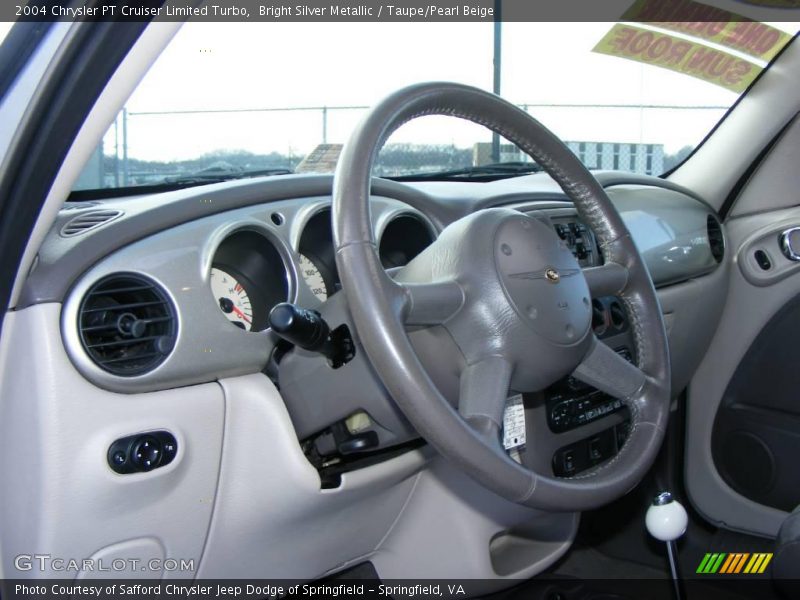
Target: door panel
(743,408)
(756,433)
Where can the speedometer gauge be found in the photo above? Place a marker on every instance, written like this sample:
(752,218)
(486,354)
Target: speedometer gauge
(232,298)
(313,278)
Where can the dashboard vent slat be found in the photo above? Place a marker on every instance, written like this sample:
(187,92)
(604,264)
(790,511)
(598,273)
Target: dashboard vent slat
(88,221)
(121,359)
(129,306)
(122,342)
(113,327)
(127,324)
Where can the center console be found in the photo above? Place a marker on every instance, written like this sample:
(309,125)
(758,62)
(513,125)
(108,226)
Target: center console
(585,425)
(572,405)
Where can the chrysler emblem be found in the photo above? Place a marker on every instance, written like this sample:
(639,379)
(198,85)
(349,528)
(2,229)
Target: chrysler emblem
(550,274)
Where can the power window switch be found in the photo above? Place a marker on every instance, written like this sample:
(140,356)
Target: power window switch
(568,461)
(595,450)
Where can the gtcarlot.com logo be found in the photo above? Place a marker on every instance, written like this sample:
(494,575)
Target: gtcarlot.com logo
(47,562)
(734,563)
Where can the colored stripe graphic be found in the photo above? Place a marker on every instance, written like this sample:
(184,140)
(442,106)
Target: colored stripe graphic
(717,563)
(737,563)
(729,562)
(741,562)
(703,563)
(734,563)
(753,563)
(711,563)
(767,558)
(758,563)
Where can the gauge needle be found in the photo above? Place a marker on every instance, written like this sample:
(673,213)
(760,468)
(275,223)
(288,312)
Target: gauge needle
(241,314)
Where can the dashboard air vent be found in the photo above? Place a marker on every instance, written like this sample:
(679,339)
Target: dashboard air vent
(87,221)
(599,324)
(127,324)
(715,238)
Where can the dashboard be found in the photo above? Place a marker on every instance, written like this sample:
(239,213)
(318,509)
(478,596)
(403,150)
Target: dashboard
(175,289)
(214,280)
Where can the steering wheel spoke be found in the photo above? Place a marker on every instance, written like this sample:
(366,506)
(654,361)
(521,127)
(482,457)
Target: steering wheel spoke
(608,280)
(609,372)
(483,394)
(429,303)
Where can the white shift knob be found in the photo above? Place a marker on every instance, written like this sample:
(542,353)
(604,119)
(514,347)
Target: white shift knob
(666,518)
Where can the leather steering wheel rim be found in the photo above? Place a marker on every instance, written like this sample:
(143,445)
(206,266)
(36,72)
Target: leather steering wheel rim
(382,308)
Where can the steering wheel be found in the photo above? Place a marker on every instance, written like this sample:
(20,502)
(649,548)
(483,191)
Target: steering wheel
(513,299)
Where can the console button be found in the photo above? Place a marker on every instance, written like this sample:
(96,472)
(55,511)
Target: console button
(142,452)
(170,448)
(146,453)
(569,461)
(595,450)
(585,454)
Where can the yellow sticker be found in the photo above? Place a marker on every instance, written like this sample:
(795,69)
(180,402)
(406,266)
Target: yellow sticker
(711,24)
(680,55)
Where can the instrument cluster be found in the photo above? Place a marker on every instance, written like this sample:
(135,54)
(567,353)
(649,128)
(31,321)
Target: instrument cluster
(249,275)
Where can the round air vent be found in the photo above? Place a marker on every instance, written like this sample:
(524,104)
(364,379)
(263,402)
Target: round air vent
(127,324)
(715,238)
(599,324)
(617,314)
(404,237)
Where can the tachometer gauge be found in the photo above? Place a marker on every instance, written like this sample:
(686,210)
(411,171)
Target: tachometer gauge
(232,298)
(313,278)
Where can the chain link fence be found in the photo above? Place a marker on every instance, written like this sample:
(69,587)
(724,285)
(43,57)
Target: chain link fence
(119,162)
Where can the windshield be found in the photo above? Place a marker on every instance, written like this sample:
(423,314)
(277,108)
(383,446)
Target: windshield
(226,100)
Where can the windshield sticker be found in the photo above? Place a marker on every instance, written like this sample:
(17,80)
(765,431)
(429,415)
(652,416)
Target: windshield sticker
(711,24)
(680,55)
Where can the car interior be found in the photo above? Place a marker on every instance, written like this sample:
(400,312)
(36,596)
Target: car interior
(538,377)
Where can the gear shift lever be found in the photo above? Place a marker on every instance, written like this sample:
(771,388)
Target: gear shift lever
(666,521)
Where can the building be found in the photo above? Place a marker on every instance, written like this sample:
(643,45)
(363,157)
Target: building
(635,158)
(647,159)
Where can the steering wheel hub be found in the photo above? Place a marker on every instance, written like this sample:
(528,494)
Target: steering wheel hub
(542,280)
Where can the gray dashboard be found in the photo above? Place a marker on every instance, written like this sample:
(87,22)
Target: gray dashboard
(172,238)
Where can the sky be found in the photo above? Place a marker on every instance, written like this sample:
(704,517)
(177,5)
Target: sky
(235,66)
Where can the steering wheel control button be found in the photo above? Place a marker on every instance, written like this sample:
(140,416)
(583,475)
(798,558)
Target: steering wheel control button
(142,452)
